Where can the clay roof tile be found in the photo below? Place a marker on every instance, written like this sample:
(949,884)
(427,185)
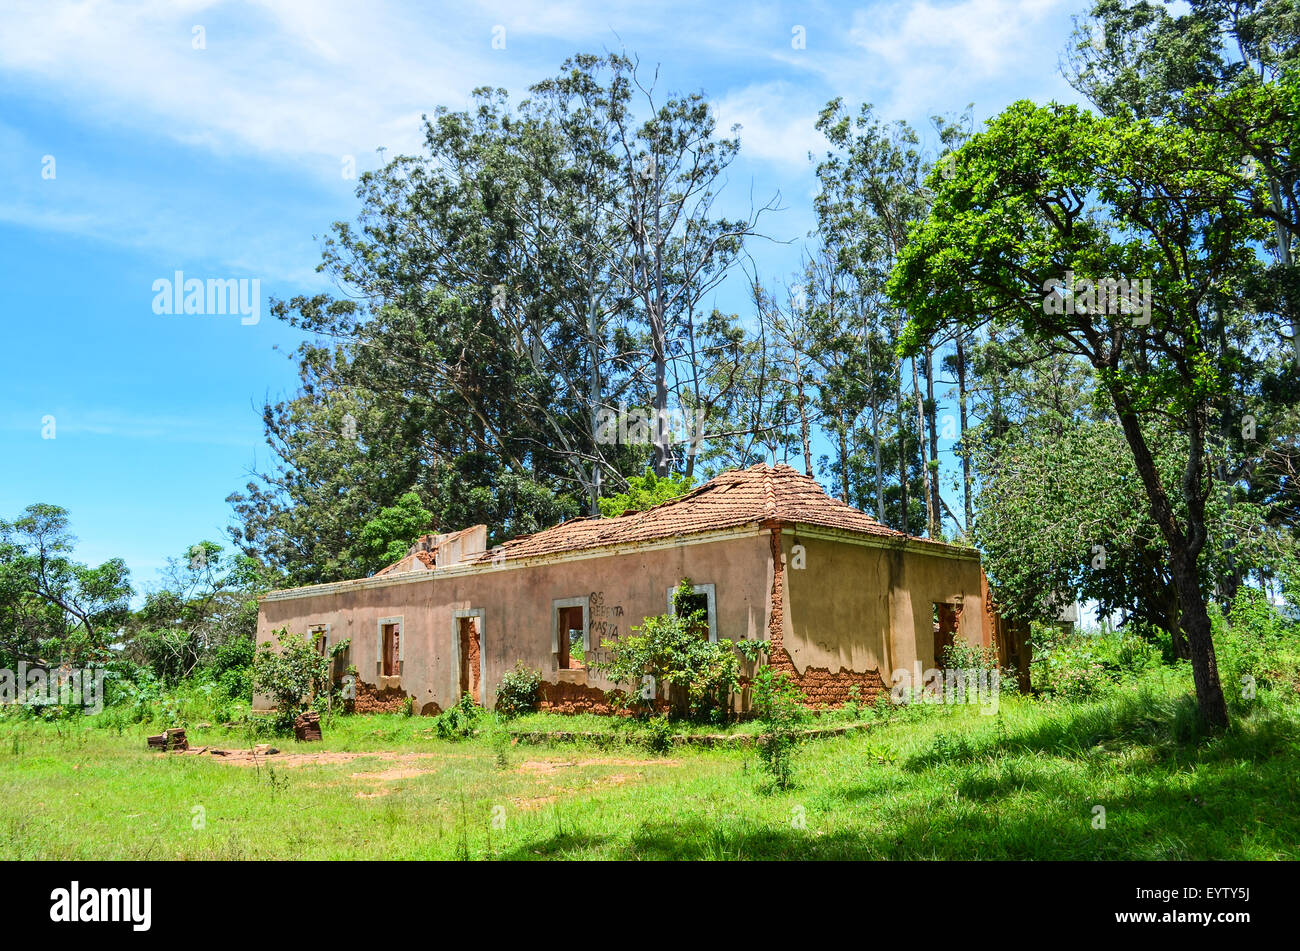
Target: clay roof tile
(733,499)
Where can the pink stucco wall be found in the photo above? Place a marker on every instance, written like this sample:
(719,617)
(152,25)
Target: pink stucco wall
(517,604)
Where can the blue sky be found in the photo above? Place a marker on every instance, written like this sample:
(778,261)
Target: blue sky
(130,150)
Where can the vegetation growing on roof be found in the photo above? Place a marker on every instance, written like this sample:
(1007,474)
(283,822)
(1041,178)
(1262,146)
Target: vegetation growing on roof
(644,491)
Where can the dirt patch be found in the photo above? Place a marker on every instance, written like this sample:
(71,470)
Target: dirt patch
(535,803)
(388,775)
(552,766)
(256,758)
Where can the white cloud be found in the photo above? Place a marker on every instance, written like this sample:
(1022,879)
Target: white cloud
(284,79)
(979,39)
(915,58)
(776,122)
(293,86)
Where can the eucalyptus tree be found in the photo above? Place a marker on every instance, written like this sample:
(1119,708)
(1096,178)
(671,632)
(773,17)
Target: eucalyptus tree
(680,247)
(871,190)
(1047,193)
(784,318)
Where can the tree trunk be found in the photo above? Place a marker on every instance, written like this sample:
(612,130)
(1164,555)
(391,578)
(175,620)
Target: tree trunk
(1184,549)
(844,460)
(1200,642)
(920,448)
(875,445)
(932,465)
(902,452)
(965,456)
(594,387)
(805,428)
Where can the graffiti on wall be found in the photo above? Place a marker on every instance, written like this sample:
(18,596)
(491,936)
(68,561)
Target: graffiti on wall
(605,625)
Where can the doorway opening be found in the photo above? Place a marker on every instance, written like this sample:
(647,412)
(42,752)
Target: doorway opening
(470,647)
(391,648)
(944,617)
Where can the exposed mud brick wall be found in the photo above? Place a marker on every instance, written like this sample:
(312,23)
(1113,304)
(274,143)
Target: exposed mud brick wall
(822,687)
(573,698)
(472,657)
(370,700)
(582,698)
(818,684)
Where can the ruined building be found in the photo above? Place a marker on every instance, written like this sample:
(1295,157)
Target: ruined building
(843,599)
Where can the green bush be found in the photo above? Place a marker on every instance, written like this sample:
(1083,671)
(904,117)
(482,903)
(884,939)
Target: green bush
(780,706)
(1071,667)
(292,676)
(519,691)
(232,667)
(699,676)
(1256,647)
(458,722)
(659,734)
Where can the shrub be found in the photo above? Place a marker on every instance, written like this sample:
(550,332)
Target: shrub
(232,667)
(1069,666)
(964,656)
(975,658)
(852,708)
(1135,654)
(291,676)
(1254,646)
(659,734)
(458,722)
(699,675)
(519,691)
(883,708)
(779,704)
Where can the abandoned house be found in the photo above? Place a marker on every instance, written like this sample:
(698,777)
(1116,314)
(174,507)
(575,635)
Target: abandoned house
(843,599)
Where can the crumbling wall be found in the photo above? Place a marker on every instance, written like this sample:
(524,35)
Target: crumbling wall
(845,615)
(819,685)
(567,697)
(370,699)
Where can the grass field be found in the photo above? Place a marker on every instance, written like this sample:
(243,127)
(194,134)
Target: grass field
(935,782)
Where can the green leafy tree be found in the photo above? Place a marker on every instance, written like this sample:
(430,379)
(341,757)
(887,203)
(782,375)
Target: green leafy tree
(205,609)
(1047,192)
(54,609)
(388,536)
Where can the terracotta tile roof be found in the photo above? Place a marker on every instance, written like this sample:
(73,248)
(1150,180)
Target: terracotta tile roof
(733,499)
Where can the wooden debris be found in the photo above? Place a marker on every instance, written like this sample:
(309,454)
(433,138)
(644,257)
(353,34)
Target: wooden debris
(173,739)
(306,727)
